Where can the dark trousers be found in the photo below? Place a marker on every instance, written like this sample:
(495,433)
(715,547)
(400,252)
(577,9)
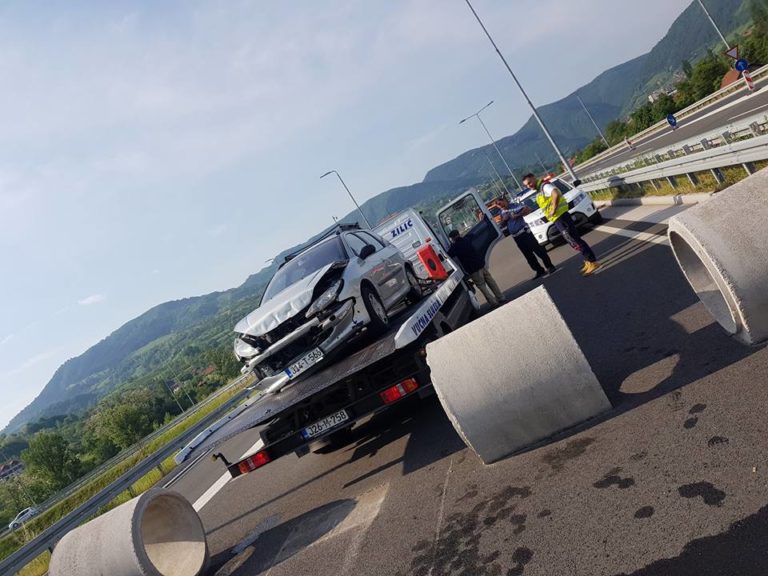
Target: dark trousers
(529,246)
(567,228)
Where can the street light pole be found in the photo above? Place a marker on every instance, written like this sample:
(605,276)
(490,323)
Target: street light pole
(533,108)
(714,25)
(477,115)
(350,195)
(498,176)
(593,120)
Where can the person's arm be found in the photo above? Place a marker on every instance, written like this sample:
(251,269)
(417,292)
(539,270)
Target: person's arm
(555,197)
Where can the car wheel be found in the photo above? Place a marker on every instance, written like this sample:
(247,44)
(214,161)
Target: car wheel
(378,314)
(415,294)
(15,526)
(554,236)
(580,220)
(596,218)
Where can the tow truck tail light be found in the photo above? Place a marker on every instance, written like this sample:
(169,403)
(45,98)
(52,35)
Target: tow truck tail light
(252,462)
(396,392)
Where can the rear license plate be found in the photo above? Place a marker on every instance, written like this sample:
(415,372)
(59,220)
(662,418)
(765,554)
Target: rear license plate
(305,362)
(325,424)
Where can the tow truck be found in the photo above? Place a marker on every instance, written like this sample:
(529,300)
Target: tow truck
(376,374)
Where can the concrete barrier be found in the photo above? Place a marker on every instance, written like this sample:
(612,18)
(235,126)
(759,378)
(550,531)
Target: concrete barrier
(722,248)
(155,534)
(514,377)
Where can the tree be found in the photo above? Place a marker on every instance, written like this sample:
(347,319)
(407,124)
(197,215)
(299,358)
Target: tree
(51,459)
(126,419)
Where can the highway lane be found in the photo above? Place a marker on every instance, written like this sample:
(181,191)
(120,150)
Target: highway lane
(673,481)
(710,120)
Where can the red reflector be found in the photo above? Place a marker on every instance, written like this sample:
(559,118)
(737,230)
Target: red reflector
(252,462)
(394,394)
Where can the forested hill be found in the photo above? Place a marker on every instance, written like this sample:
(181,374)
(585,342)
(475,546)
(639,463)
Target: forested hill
(611,95)
(179,337)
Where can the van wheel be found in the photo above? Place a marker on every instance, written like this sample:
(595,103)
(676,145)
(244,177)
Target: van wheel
(378,314)
(415,294)
(596,218)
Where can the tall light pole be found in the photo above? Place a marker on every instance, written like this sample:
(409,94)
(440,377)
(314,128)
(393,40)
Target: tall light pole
(498,176)
(350,195)
(727,47)
(477,115)
(533,108)
(593,120)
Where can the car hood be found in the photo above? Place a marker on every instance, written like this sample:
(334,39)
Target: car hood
(283,306)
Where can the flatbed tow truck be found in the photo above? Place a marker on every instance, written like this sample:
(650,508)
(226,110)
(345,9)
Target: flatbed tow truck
(370,379)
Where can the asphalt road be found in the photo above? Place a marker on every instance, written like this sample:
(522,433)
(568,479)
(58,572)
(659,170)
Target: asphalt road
(673,481)
(714,119)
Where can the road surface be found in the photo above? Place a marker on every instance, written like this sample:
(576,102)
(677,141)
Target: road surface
(673,481)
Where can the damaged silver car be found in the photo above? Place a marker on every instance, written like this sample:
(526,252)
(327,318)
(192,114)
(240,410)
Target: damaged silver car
(319,300)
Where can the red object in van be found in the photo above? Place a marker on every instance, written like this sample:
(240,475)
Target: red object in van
(431,261)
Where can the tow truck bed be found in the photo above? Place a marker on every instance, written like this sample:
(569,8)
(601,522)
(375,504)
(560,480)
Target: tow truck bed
(407,328)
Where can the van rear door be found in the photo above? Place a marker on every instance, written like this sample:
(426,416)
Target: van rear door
(469,215)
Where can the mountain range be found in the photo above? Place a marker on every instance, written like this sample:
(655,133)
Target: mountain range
(148,342)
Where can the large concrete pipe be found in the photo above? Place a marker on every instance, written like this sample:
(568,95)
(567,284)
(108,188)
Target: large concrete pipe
(514,377)
(155,534)
(722,247)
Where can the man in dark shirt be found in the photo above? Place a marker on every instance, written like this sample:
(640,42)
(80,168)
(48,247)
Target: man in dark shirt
(525,240)
(474,265)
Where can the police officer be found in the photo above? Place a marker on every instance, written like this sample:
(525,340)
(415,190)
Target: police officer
(555,208)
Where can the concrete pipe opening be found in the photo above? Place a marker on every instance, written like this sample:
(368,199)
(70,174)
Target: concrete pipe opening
(704,283)
(174,539)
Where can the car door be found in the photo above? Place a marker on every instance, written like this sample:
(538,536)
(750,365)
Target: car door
(394,279)
(372,268)
(469,215)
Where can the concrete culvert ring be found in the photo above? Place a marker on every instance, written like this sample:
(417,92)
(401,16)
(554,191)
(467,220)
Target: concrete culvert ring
(173,536)
(706,286)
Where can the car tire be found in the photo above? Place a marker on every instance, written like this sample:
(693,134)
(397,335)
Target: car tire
(415,294)
(378,314)
(580,220)
(15,526)
(554,237)
(596,218)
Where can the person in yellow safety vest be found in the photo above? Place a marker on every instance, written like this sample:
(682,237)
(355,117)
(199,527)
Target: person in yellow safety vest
(555,207)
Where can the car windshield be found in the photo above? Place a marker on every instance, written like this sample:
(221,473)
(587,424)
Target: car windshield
(304,264)
(530,202)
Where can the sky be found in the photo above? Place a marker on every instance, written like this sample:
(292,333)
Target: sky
(151,151)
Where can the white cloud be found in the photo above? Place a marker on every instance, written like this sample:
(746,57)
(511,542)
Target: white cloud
(7,339)
(92,299)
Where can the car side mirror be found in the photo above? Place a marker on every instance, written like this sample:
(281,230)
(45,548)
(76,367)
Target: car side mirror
(367,250)
(576,183)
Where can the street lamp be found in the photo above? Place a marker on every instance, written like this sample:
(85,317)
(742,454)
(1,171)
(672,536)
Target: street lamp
(593,120)
(565,162)
(498,176)
(477,115)
(712,21)
(350,195)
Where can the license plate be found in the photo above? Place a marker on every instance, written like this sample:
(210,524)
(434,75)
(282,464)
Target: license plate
(325,424)
(305,362)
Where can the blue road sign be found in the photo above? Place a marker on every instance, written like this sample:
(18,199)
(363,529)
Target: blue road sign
(672,120)
(741,65)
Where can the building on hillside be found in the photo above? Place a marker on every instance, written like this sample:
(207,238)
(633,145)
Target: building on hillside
(10,469)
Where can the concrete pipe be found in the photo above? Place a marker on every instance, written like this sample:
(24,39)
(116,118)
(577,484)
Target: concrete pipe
(155,534)
(514,377)
(722,248)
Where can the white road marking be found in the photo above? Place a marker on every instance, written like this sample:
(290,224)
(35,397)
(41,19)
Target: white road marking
(221,482)
(635,235)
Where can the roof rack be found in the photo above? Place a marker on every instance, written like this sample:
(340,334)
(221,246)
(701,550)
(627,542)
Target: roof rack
(337,229)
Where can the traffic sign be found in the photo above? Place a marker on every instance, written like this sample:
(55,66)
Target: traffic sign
(733,52)
(672,120)
(741,65)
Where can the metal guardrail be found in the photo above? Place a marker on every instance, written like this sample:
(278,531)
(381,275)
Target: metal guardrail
(741,152)
(757,75)
(48,537)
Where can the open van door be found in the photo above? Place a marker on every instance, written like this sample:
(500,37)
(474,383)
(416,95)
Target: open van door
(469,215)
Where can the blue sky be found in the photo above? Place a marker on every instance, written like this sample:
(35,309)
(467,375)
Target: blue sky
(152,151)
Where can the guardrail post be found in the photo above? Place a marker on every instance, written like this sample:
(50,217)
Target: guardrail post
(755,128)
(672,181)
(749,167)
(658,158)
(687,149)
(655,186)
(718,175)
(706,144)
(671,153)
(692,178)
(727,137)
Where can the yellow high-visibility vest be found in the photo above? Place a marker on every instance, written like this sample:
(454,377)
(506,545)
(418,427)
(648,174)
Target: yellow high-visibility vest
(545,202)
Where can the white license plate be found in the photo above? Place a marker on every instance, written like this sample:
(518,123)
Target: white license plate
(305,362)
(325,424)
